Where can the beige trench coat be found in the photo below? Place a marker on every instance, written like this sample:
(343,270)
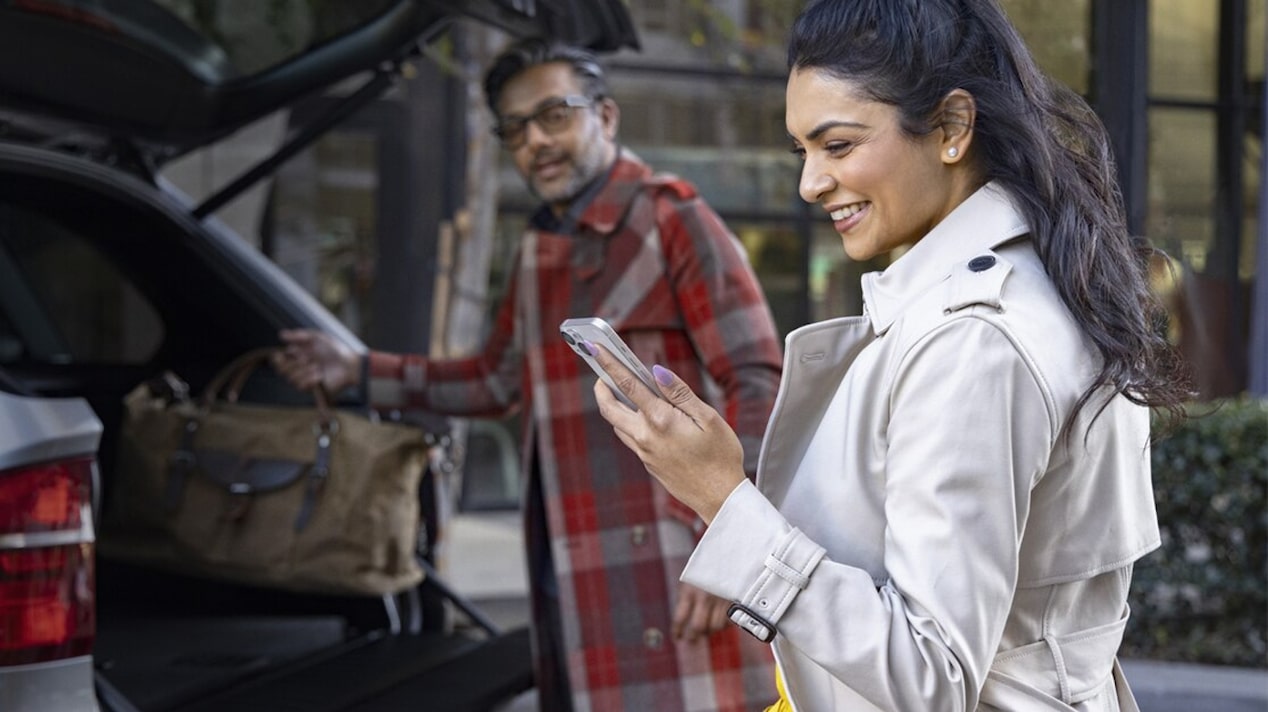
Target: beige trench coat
(921,535)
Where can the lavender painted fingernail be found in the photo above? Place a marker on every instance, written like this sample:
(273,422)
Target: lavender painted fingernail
(663,375)
(590,348)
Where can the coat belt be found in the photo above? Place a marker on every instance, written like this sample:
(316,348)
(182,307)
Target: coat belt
(1059,670)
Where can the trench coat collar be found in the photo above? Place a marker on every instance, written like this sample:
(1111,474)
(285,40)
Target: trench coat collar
(986,219)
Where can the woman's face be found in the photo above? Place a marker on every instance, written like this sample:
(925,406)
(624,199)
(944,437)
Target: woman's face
(882,187)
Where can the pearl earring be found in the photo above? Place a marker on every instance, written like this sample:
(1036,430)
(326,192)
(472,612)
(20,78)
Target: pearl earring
(953,152)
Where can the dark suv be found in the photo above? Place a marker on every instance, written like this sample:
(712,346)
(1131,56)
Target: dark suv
(109,277)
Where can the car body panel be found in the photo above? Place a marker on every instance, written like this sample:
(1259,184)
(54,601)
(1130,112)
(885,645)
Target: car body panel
(133,68)
(64,686)
(34,430)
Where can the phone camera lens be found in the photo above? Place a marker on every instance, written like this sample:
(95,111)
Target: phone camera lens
(569,339)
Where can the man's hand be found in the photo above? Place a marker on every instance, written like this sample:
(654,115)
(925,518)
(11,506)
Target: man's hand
(314,357)
(698,614)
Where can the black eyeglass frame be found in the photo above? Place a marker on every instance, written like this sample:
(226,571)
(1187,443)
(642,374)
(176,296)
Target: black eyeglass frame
(513,132)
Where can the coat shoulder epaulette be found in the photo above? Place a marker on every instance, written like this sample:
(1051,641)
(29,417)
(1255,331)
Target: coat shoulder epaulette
(978,281)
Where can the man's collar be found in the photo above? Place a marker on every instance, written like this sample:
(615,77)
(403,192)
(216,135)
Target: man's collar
(606,209)
(986,219)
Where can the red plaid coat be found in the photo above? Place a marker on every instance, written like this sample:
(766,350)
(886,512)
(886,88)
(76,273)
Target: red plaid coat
(654,260)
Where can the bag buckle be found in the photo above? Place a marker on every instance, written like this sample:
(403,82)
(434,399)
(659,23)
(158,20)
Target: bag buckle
(328,426)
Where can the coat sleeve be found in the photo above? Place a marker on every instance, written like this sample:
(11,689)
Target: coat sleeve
(725,312)
(486,384)
(968,434)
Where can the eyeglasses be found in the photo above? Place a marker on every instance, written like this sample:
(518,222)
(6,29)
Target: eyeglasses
(553,117)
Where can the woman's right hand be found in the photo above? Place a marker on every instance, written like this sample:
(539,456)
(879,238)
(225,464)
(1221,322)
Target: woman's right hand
(311,357)
(683,441)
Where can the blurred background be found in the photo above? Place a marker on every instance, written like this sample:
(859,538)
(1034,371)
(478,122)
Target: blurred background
(366,218)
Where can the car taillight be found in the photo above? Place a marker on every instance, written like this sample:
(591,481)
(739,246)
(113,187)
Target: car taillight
(47,591)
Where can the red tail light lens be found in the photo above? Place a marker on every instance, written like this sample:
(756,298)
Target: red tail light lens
(47,599)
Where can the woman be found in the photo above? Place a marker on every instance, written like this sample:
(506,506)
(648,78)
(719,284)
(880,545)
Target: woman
(954,486)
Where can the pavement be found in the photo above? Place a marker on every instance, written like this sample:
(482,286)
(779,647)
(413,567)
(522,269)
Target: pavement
(482,558)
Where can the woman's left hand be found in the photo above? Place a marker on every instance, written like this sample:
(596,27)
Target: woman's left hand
(683,442)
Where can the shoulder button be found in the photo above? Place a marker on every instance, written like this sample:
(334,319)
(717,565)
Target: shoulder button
(981,264)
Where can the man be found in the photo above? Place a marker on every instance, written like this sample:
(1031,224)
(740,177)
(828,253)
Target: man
(613,628)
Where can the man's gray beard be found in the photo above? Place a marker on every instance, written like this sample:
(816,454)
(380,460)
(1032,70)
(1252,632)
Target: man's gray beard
(585,170)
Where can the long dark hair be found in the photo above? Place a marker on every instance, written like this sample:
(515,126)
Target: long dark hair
(1037,139)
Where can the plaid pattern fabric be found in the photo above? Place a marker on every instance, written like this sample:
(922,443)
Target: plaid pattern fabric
(654,260)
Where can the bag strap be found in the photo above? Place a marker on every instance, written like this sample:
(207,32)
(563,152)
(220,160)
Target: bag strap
(235,375)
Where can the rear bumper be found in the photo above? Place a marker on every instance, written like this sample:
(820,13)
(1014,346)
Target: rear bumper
(64,685)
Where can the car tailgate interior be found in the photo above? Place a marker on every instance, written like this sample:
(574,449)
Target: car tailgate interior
(168,643)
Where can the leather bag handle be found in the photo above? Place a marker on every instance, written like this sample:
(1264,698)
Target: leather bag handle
(235,376)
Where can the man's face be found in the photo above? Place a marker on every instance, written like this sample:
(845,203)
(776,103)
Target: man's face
(559,154)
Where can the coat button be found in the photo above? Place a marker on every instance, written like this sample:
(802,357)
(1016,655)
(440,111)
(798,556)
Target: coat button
(638,535)
(981,264)
(653,638)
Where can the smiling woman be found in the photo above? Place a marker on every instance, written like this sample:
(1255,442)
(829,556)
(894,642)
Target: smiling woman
(883,187)
(897,558)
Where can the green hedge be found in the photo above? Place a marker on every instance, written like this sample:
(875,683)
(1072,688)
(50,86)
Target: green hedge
(1203,597)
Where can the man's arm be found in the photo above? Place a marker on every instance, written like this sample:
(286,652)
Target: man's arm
(485,384)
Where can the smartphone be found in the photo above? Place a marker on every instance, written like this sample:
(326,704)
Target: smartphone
(599,332)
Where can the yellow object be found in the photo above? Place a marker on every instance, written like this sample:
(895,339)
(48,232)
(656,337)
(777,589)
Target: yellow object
(783,705)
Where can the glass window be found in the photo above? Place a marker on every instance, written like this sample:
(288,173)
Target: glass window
(765,33)
(1204,176)
(835,286)
(325,223)
(65,302)
(256,39)
(1181,212)
(1255,40)
(688,109)
(1182,49)
(742,181)
(1058,37)
(657,15)
(1254,147)
(774,250)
